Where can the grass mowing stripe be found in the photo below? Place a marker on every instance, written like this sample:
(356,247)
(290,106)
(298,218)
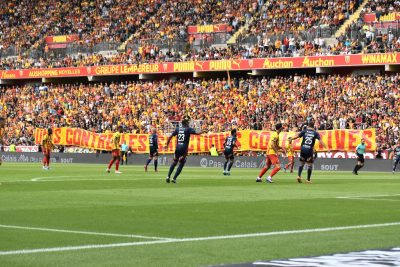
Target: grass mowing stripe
(129,244)
(80,232)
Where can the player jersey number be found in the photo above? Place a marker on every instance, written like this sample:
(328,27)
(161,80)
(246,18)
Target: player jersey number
(229,142)
(308,140)
(181,137)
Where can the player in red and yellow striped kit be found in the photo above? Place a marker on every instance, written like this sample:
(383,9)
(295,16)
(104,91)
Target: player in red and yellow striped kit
(47,147)
(116,148)
(272,155)
(290,155)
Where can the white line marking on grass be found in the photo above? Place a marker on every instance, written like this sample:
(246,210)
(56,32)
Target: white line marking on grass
(379,199)
(372,197)
(180,240)
(389,195)
(35,179)
(80,232)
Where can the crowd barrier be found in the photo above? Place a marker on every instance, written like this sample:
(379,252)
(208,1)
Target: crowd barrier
(375,165)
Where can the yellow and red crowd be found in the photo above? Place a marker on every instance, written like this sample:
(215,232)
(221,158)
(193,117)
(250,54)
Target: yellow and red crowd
(333,102)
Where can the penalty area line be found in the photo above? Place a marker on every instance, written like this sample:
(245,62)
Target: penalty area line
(195,239)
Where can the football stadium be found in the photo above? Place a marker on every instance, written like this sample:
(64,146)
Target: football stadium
(199,133)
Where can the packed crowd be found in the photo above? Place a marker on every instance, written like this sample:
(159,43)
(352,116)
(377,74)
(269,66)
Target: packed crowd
(381,7)
(105,21)
(292,16)
(173,17)
(219,104)
(24,24)
(364,37)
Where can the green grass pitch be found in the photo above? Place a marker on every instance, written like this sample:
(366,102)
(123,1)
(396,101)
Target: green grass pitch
(62,217)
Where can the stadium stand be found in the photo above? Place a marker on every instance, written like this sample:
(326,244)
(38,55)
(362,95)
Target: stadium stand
(253,103)
(160,35)
(25,24)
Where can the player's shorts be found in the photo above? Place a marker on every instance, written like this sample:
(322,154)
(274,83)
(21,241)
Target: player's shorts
(396,159)
(115,153)
(290,158)
(273,159)
(360,158)
(46,153)
(180,154)
(228,153)
(307,155)
(153,152)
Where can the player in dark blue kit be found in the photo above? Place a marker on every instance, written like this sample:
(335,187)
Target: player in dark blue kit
(153,146)
(182,146)
(229,145)
(396,156)
(309,136)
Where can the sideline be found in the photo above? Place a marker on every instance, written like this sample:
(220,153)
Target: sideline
(195,239)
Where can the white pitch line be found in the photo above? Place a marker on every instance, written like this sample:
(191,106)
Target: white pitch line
(35,179)
(80,232)
(143,243)
(389,195)
(373,199)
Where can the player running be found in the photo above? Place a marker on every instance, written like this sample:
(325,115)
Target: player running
(116,147)
(309,136)
(290,156)
(396,156)
(153,145)
(229,145)
(47,147)
(360,150)
(182,146)
(272,155)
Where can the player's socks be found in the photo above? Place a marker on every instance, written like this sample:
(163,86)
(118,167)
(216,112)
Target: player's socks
(355,169)
(300,170)
(148,162)
(230,166)
(275,171)
(225,164)
(110,164)
(155,164)
(171,169)
(262,172)
(179,170)
(117,164)
(309,172)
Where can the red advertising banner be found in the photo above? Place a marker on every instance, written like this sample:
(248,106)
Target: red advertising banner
(208,66)
(209,28)
(62,39)
(371,17)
